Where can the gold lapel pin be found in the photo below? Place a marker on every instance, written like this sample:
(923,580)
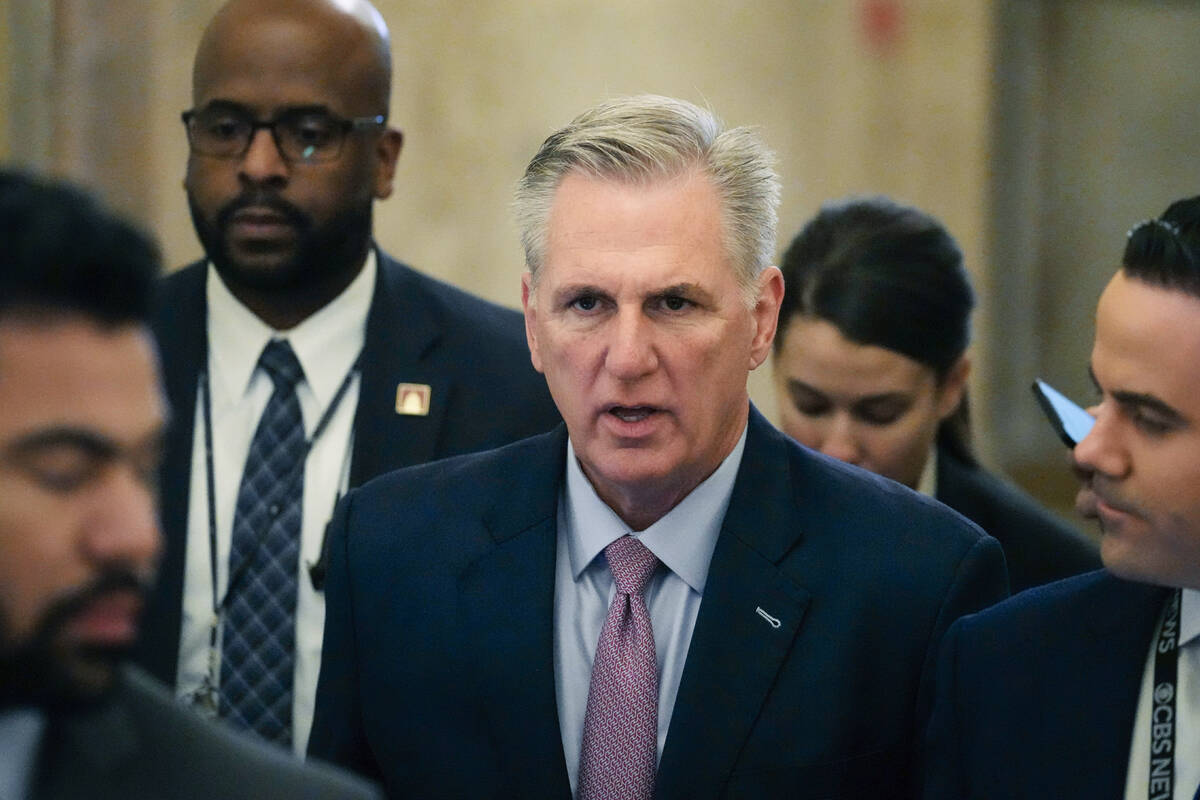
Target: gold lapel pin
(412,399)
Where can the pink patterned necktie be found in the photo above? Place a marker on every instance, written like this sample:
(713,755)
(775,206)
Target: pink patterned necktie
(620,728)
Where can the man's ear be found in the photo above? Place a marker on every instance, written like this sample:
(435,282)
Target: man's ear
(529,303)
(387,151)
(766,314)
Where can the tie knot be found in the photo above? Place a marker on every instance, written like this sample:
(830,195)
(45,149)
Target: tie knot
(631,564)
(281,364)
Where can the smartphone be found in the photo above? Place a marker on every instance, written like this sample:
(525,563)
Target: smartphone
(1070,422)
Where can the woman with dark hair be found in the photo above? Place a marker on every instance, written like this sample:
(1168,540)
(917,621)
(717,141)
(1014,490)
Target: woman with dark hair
(871,368)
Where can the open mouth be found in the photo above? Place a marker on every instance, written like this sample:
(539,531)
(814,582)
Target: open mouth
(631,413)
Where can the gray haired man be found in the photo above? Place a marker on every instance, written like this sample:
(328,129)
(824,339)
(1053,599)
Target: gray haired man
(665,596)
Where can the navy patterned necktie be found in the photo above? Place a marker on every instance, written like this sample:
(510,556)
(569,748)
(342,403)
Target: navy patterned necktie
(258,646)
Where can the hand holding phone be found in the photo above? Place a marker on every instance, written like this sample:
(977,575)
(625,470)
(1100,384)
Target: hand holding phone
(1070,421)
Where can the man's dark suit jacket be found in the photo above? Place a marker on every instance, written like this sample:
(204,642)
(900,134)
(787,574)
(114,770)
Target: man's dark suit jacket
(1036,697)
(472,353)
(141,744)
(1038,546)
(438,669)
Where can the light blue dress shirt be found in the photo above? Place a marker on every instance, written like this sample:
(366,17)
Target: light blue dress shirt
(20,737)
(683,541)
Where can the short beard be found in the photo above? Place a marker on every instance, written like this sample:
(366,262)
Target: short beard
(336,248)
(44,672)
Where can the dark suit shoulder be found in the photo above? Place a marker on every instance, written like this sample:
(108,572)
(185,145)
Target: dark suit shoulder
(509,489)
(462,314)
(1048,679)
(184,278)
(1038,546)
(181,288)
(471,352)
(184,755)
(1095,600)
(878,506)
(481,475)
(905,554)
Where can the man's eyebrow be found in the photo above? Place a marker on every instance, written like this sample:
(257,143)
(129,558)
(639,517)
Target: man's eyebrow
(577,290)
(89,441)
(686,288)
(1140,400)
(1148,401)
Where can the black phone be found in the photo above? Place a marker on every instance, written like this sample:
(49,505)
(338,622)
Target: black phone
(1070,421)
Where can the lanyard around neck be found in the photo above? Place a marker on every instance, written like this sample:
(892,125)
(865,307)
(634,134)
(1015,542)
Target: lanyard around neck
(1161,772)
(220,601)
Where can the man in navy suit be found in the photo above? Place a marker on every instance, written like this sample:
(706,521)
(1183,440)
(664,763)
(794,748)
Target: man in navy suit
(289,148)
(665,597)
(1090,686)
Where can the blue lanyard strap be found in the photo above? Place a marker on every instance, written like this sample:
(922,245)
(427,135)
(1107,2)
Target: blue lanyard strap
(219,602)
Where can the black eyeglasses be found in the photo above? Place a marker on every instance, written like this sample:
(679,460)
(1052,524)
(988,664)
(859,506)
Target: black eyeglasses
(304,135)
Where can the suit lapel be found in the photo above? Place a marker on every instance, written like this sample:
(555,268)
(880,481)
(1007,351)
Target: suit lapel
(402,327)
(506,605)
(180,326)
(748,621)
(1106,681)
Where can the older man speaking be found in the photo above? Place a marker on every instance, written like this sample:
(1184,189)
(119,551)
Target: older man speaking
(664,597)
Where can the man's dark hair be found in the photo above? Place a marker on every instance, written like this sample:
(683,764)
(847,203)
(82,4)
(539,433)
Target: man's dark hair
(62,251)
(890,276)
(1166,251)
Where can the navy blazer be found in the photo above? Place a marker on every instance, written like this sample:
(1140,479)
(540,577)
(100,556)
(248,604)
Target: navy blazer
(472,353)
(438,670)
(1038,546)
(1037,696)
(140,743)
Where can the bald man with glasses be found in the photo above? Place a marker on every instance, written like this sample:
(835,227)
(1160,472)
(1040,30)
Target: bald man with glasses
(300,360)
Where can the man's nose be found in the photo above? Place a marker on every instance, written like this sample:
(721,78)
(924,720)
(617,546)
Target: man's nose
(123,524)
(262,163)
(631,353)
(1103,449)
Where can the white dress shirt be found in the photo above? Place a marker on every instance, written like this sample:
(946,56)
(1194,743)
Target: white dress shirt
(326,344)
(683,541)
(1187,711)
(21,732)
(927,485)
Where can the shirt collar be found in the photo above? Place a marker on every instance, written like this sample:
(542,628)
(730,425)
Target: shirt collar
(326,343)
(927,485)
(1189,616)
(683,539)
(20,736)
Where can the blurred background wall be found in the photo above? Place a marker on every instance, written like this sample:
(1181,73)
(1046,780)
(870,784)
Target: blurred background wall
(1037,130)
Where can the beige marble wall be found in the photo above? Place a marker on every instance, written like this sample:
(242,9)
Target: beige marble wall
(5,80)
(479,85)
